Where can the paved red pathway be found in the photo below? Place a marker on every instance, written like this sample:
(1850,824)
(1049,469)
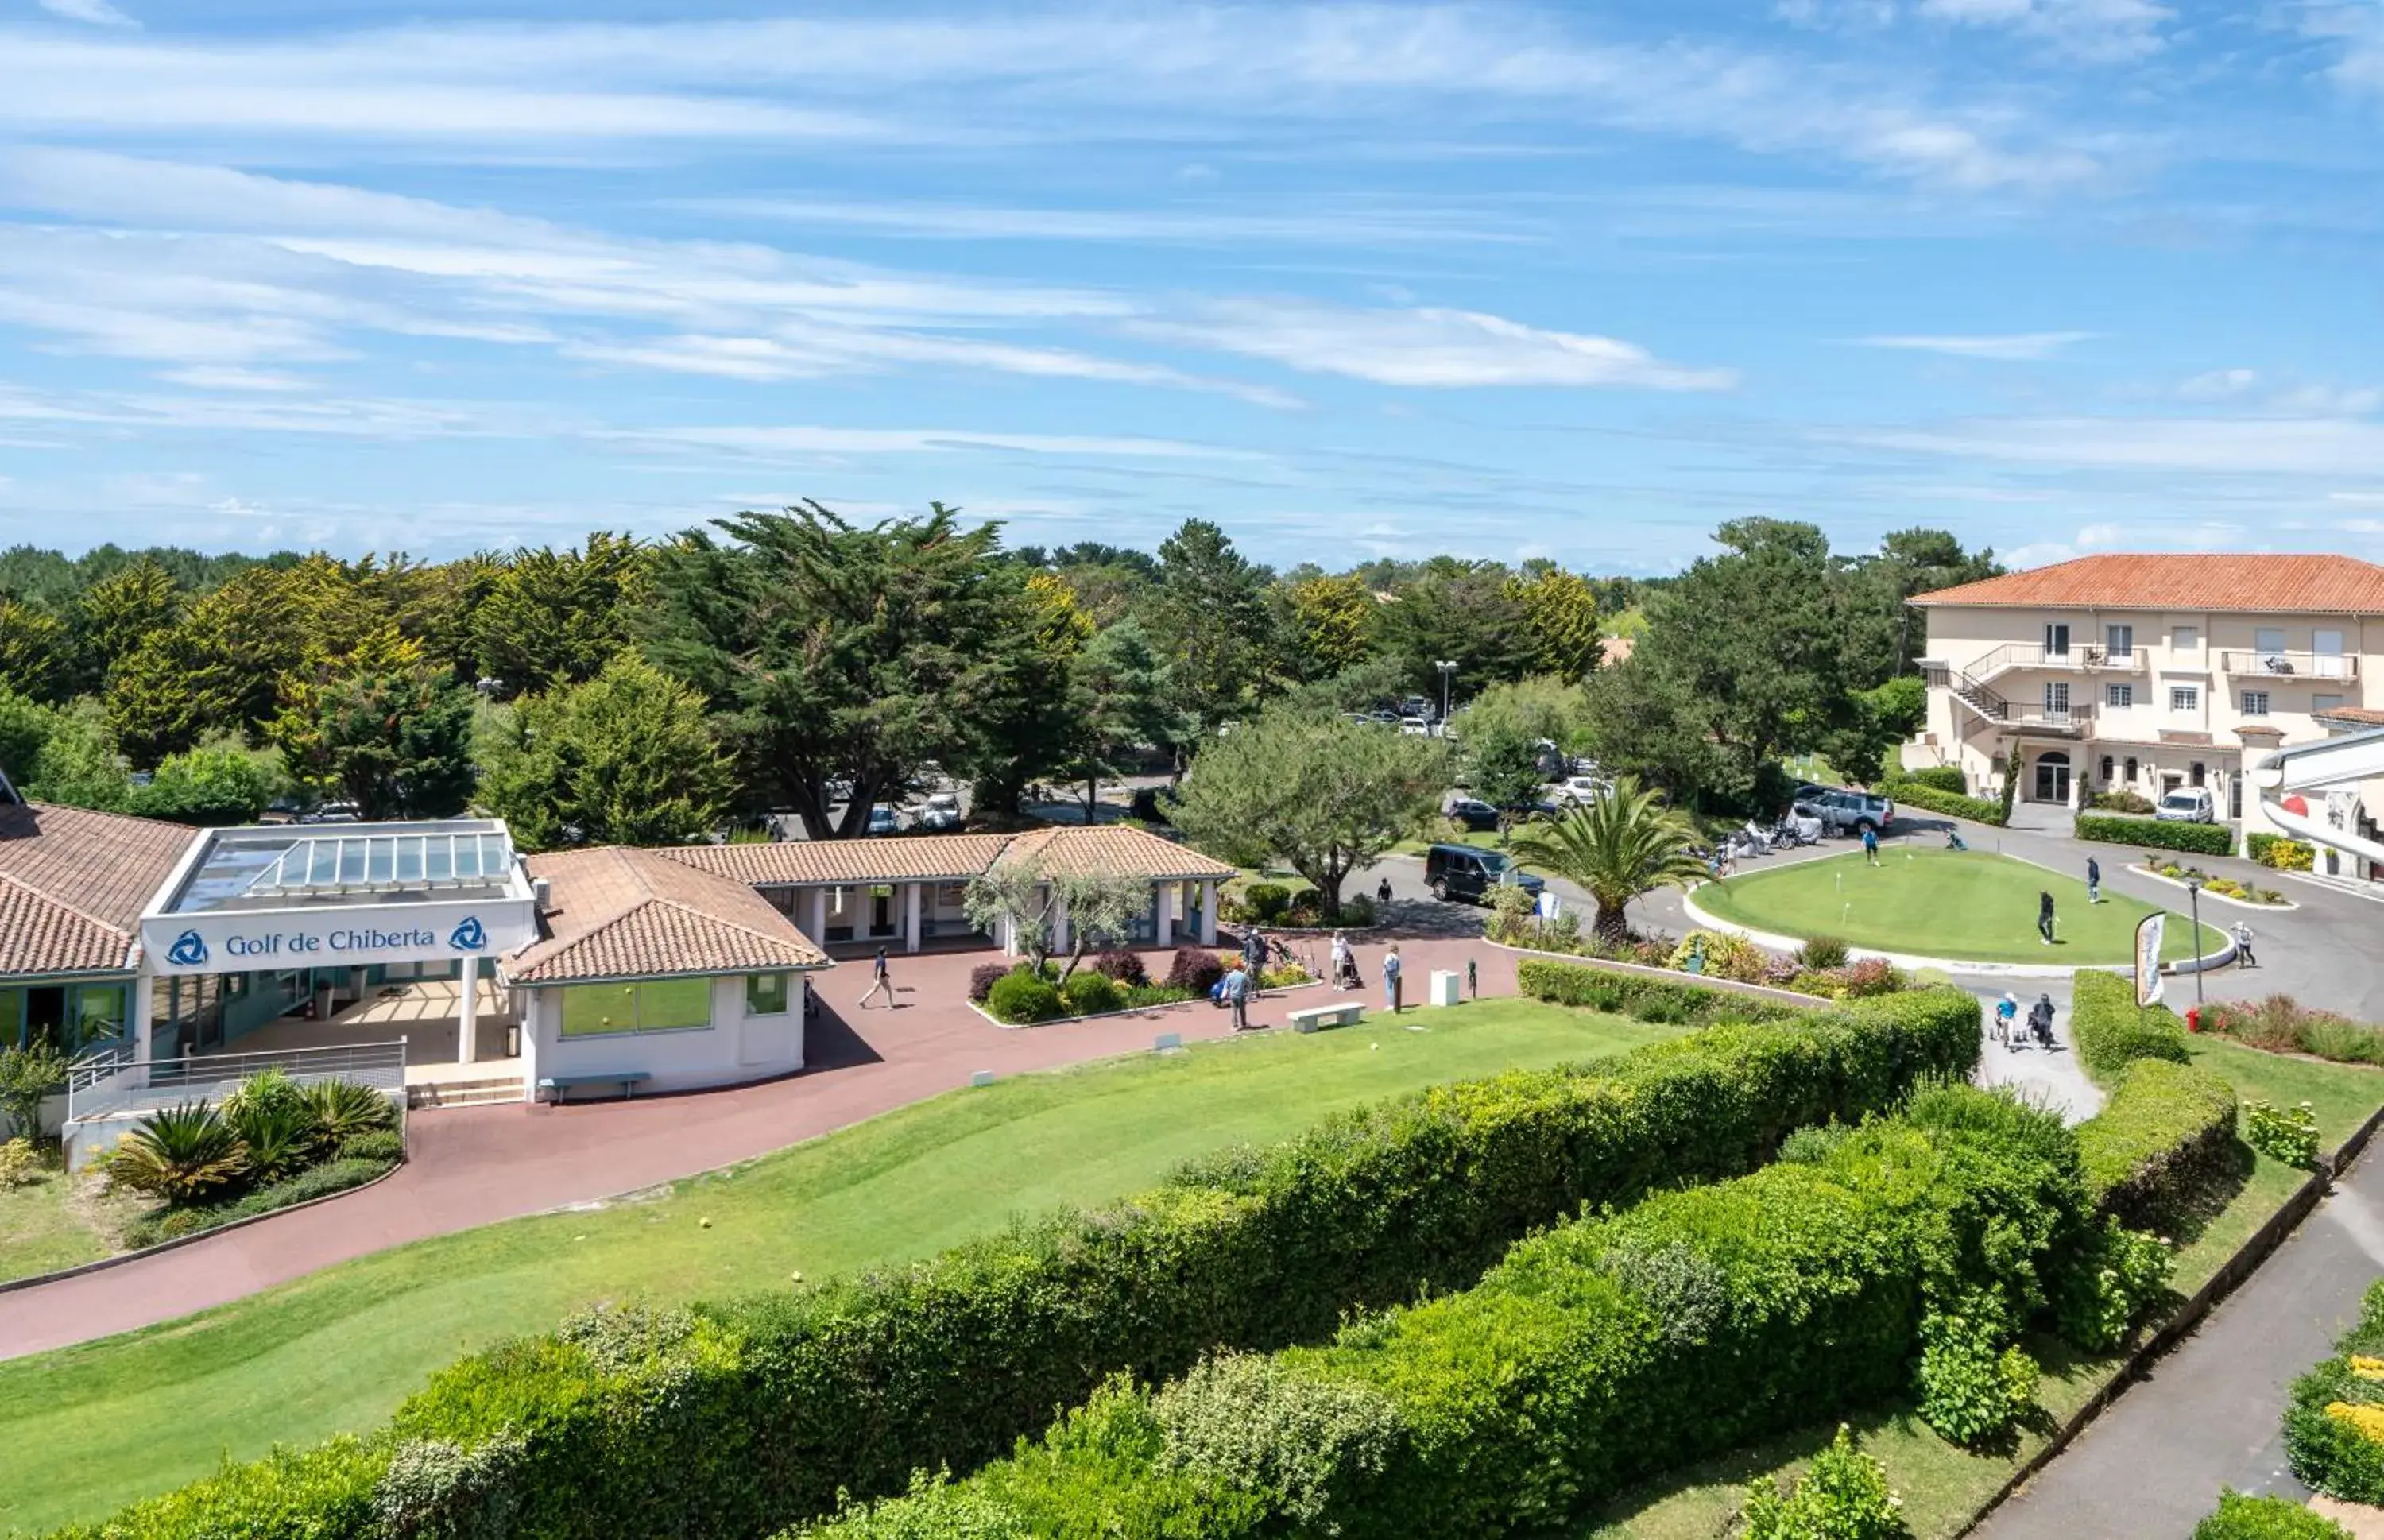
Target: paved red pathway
(473,1165)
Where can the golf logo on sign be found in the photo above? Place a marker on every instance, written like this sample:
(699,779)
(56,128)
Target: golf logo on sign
(189,950)
(2148,949)
(468,936)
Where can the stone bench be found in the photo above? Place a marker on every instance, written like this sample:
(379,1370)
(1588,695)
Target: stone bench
(550,1088)
(1347,1013)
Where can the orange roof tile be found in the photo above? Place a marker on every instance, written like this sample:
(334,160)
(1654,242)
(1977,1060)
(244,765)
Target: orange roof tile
(800,863)
(2268,584)
(2365,714)
(73,883)
(616,913)
(1114,848)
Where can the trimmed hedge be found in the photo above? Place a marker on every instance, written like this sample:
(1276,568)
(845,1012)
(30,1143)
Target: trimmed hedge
(2241,1517)
(1655,1000)
(2168,1130)
(2334,1420)
(1931,778)
(2196,839)
(739,1417)
(2112,1033)
(1952,804)
(1595,1354)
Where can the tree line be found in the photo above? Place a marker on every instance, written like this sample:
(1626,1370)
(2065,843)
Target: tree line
(649,692)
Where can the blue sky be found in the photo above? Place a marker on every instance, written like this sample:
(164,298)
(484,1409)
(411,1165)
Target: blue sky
(1575,281)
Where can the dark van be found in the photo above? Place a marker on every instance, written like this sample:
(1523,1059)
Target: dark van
(1460,871)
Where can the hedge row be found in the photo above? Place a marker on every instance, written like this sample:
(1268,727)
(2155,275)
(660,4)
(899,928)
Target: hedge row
(1594,1355)
(1931,778)
(2167,1131)
(2334,1420)
(1952,803)
(2112,1033)
(733,1419)
(1652,1000)
(2152,834)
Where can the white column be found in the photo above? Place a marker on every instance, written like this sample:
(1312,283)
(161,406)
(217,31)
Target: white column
(1209,911)
(142,1021)
(817,926)
(911,915)
(1008,937)
(1168,894)
(467,1047)
(1059,922)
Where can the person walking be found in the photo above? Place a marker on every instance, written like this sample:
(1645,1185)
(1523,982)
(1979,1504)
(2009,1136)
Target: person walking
(2243,958)
(1473,981)
(1870,844)
(2045,918)
(1342,969)
(2040,1021)
(1382,893)
(1237,999)
(1391,978)
(2094,880)
(2007,1017)
(879,978)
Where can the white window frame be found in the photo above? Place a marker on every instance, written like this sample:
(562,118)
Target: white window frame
(2119,697)
(2255,702)
(2185,639)
(2184,698)
(2119,641)
(2268,640)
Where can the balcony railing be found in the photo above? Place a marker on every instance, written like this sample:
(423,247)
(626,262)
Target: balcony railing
(2077,658)
(122,1084)
(2289,665)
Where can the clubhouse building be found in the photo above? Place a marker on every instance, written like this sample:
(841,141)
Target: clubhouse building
(434,959)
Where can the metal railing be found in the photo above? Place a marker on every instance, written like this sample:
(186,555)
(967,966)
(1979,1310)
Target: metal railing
(2030,655)
(2289,666)
(129,1085)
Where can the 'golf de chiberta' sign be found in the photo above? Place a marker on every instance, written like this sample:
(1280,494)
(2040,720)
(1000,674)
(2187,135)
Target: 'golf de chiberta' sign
(266,940)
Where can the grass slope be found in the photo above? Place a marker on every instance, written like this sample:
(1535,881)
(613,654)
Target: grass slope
(1944,1486)
(94,1426)
(1972,905)
(41,1230)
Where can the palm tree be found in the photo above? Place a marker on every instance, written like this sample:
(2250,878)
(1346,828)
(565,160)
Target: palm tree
(1617,847)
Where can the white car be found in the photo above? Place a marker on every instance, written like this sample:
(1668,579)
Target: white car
(942,812)
(2187,804)
(1581,789)
(1415,726)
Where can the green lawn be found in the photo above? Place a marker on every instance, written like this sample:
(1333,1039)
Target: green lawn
(1944,1486)
(1970,905)
(42,1229)
(89,1428)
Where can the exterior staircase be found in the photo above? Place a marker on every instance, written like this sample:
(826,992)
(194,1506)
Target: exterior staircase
(425,1094)
(1978,698)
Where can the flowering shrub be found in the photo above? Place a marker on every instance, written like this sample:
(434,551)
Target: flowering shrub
(1822,953)
(2241,1517)
(982,979)
(2282,854)
(1195,969)
(1842,1495)
(2282,1134)
(2334,1421)
(2119,1272)
(1970,1390)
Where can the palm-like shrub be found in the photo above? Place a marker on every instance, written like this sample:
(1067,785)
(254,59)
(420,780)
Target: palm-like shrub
(281,1136)
(1624,844)
(182,1154)
(265,1088)
(343,1109)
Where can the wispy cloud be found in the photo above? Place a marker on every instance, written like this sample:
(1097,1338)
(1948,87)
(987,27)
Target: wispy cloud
(2296,447)
(1425,347)
(1352,223)
(97,13)
(2100,32)
(2005,348)
(2255,391)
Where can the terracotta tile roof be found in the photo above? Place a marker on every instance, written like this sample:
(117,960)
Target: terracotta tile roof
(1618,650)
(615,912)
(897,858)
(73,883)
(2365,714)
(2260,732)
(2181,735)
(2268,584)
(947,857)
(1114,848)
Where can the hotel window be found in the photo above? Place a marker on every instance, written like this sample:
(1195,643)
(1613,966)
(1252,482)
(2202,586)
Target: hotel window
(2131,771)
(2185,638)
(2255,702)
(765,994)
(2184,698)
(2107,769)
(2268,641)
(654,1005)
(2056,698)
(2056,639)
(2119,641)
(2118,695)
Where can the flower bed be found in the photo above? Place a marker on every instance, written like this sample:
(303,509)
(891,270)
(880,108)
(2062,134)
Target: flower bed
(1015,995)
(2282,854)
(2282,1025)
(2334,1421)
(2219,887)
(1821,967)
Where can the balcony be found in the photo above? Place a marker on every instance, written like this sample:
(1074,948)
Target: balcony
(2076,721)
(2078,658)
(2289,666)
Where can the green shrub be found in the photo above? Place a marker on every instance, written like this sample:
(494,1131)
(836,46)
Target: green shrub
(388,1145)
(1619,993)
(21,1163)
(1022,999)
(2334,1418)
(184,1154)
(1952,804)
(325,1493)
(2165,1133)
(317,1181)
(1087,993)
(1291,1439)
(1266,900)
(343,1109)
(2152,834)
(1823,952)
(2286,1133)
(1936,778)
(1971,1386)
(2239,1517)
(2112,1033)
(1842,1495)
(2114,1275)
(2282,854)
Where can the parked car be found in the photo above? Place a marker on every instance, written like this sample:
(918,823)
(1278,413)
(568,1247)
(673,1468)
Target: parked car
(1461,873)
(1580,790)
(2187,804)
(1416,705)
(1851,812)
(1415,726)
(334,813)
(1473,813)
(882,820)
(1147,807)
(942,812)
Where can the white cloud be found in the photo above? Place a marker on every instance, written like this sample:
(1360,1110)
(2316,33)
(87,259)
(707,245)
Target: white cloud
(2220,385)
(215,377)
(98,13)
(2261,446)
(2011,348)
(2251,387)
(1356,224)
(816,440)
(2101,32)
(1425,347)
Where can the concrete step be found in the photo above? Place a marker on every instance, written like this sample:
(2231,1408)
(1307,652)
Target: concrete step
(463,1093)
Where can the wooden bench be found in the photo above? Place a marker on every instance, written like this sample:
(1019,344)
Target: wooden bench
(551,1087)
(1347,1013)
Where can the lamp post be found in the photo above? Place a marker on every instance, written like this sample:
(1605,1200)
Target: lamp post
(1446,667)
(2193,896)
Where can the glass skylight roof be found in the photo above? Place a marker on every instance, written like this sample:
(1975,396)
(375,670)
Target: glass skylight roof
(350,863)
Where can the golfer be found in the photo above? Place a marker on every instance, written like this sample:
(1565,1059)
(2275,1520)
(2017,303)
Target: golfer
(1237,999)
(2007,1017)
(1391,978)
(879,978)
(2094,880)
(1870,844)
(2045,918)
(2243,958)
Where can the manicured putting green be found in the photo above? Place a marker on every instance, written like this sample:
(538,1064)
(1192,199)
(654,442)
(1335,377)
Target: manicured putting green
(1966,905)
(88,1429)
